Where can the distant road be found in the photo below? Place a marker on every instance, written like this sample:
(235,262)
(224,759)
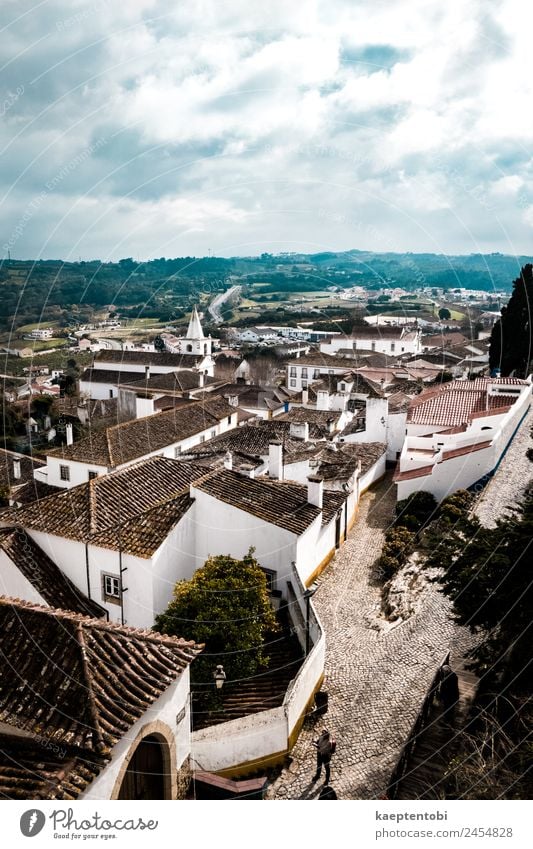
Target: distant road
(216,303)
(110,344)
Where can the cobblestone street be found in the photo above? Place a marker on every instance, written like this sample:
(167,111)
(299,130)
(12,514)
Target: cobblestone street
(514,473)
(376,679)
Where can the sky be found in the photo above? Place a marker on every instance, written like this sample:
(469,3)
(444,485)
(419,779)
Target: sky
(152,128)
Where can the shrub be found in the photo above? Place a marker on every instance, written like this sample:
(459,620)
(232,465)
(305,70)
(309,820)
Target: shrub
(397,548)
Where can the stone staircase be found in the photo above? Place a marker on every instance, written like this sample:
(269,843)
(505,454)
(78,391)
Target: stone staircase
(265,690)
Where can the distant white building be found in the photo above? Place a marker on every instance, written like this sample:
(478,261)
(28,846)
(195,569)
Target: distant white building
(41,333)
(167,434)
(392,341)
(458,433)
(112,368)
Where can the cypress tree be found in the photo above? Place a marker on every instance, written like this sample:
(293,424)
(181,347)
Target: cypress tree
(511,340)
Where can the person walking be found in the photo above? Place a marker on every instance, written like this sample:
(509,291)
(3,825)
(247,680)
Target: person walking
(449,687)
(325,748)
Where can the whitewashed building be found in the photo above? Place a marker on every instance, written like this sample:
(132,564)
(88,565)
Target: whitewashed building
(458,433)
(90,709)
(169,434)
(125,539)
(111,368)
(392,341)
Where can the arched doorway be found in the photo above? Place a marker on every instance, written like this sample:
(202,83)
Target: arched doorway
(148,773)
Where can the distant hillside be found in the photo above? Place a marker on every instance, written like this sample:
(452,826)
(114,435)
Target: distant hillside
(165,288)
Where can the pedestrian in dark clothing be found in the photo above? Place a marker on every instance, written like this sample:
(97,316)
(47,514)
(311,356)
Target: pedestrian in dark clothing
(325,747)
(449,687)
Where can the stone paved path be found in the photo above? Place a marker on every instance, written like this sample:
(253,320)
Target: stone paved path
(376,680)
(509,482)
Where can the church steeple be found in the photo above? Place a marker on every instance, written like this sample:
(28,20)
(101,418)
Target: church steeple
(194,331)
(195,342)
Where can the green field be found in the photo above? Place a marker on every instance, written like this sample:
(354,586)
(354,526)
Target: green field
(34,344)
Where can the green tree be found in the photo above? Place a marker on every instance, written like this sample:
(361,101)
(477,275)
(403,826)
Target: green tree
(511,338)
(444,314)
(416,511)
(487,574)
(226,606)
(396,550)
(159,344)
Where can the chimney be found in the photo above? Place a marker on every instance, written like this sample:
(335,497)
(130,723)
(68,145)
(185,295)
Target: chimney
(228,461)
(315,491)
(305,396)
(68,431)
(299,430)
(233,400)
(275,459)
(147,372)
(322,399)
(16,470)
(201,379)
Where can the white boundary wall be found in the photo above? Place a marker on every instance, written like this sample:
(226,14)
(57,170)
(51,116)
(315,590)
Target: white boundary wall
(258,736)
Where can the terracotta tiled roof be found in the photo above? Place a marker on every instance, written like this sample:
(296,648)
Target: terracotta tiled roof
(131,440)
(78,682)
(330,361)
(29,770)
(303,414)
(399,402)
(173,381)
(148,359)
(48,580)
(27,465)
(443,340)
(457,402)
(279,503)
(339,460)
(379,332)
(132,509)
(32,491)
(253,439)
(115,376)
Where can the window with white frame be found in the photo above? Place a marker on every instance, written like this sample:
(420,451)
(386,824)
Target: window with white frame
(213,434)
(304,372)
(293,383)
(316,373)
(64,473)
(293,371)
(177,451)
(110,588)
(92,475)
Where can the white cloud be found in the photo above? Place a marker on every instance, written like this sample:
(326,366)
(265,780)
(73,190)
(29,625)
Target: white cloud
(236,123)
